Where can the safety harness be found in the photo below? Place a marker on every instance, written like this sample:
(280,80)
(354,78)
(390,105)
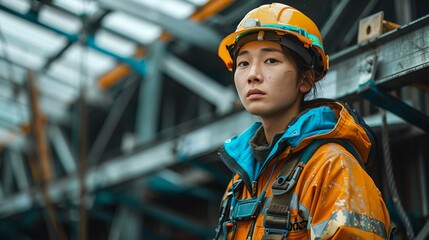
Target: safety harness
(276,212)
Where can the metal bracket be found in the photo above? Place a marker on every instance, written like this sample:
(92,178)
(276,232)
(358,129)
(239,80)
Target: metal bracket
(369,90)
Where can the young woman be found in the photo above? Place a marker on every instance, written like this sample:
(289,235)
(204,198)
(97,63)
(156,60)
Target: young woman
(277,56)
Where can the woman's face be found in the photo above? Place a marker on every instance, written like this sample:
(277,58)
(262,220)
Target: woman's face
(267,81)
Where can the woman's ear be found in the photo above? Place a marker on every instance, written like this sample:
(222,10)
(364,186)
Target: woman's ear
(307,81)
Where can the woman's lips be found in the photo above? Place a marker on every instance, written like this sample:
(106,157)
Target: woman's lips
(255,93)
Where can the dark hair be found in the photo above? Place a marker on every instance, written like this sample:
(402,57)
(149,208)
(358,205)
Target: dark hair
(305,72)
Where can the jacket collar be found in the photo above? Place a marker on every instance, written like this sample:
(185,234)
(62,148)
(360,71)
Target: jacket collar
(312,122)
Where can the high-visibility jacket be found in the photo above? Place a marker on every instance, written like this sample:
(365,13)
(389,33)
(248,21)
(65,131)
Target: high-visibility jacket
(334,197)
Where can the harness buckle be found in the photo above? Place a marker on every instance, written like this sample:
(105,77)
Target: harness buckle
(277,223)
(283,185)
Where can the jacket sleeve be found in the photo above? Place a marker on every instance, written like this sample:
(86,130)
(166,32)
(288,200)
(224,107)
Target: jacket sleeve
(343,201)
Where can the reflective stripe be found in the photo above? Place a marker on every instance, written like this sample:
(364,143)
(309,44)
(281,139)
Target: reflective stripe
(309,223)
(296,205)
(350,219)
(294,202)
(304,212)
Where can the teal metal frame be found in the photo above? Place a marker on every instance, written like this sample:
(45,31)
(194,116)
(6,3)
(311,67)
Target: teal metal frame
(368,89)
(138,65)
(376,96)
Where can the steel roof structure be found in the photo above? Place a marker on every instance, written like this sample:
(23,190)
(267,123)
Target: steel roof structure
(111,112)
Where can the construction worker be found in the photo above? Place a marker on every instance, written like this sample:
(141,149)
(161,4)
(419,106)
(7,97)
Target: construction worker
(276,55)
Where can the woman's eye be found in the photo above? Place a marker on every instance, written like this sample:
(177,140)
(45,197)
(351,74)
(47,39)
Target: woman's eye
(271,60)
(242,64)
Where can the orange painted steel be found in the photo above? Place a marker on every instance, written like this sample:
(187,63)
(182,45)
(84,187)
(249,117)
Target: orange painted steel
(113,76)
(40,165)
(38,129)
(210,8)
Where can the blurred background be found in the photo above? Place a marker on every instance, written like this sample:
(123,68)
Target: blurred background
(111,112)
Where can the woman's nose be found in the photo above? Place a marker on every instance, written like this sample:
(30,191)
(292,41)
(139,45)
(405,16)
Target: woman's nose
(254,75)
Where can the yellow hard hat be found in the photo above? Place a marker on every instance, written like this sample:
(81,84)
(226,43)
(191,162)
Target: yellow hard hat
(292,29)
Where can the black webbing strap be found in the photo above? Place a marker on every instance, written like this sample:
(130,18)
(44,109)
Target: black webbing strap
(277,215)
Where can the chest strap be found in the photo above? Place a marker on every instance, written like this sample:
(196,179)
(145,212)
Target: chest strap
(277,214)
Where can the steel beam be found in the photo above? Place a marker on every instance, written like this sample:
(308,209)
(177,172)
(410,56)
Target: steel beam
(1,191)
(172,183)
(62,148)
(138,164)
(152,210)
(38,130)
(13,112)
(137,64)
(31,17)
(208,89)
(210,8)
(150,95)
(424,232)
(183,29)
(203,13)
(352,31)
(12,72)
(403,59)
(333,18)
(403,11)
(125,225)
(234,15)
(19,170)
(394,105)
(7,177)
(109,125)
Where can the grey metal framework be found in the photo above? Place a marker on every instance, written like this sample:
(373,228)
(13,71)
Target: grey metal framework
(152,136)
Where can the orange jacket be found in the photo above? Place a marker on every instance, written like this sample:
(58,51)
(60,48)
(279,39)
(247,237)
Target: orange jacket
(334,197)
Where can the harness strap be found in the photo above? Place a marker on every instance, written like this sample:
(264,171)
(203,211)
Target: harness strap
(277,215)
